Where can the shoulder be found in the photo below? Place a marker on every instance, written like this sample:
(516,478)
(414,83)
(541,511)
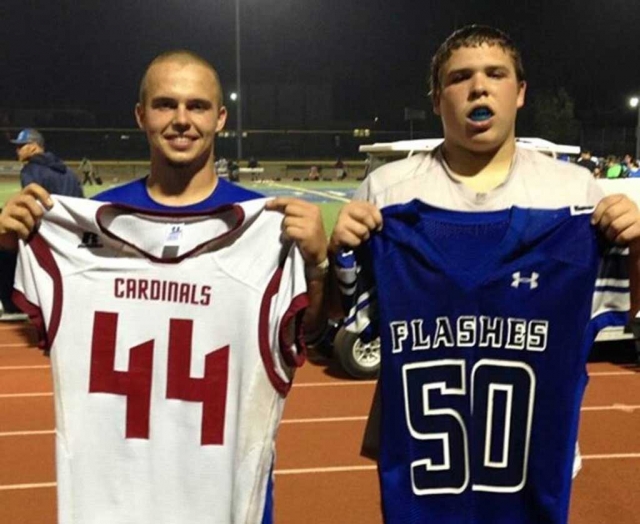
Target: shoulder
(554,182)
(388,183)
(229,193)
(133,193)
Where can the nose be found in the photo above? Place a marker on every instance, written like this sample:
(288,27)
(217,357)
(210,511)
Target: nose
(181,118)
(478,86)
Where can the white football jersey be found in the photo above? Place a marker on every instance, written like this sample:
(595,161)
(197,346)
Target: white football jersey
(173,341)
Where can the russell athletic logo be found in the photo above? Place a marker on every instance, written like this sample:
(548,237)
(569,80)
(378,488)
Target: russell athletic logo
(518,279)
(90,240)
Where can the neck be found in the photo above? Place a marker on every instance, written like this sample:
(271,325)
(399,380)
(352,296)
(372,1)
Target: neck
(175,185)
(467,163)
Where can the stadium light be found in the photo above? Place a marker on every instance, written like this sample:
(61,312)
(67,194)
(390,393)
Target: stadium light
(233,96)
(634,102)
(238,83)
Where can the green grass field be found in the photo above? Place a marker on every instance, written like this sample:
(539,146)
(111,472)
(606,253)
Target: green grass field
(330,196)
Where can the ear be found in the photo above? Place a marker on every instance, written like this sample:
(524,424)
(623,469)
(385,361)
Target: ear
(222,118)
(139,111)
(435,101)
(522,90)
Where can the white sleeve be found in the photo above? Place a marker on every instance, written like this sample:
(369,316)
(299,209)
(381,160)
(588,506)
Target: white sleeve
(288,305)
(34,290)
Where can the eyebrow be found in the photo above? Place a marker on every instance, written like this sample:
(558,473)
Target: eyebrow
(490,67)
(158,100)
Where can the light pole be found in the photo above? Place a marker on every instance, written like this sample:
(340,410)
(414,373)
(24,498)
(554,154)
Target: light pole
(635,103)
(238,83)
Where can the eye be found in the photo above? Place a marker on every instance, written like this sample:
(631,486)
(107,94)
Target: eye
(163,103)
(199,105)
(458,76)
(497,73)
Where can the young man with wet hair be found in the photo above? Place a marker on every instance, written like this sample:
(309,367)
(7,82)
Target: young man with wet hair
(477,86)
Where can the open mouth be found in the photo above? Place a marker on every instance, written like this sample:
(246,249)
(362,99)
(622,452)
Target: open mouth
(480,114)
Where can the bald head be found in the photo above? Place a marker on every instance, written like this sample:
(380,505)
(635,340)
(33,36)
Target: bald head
(181,57)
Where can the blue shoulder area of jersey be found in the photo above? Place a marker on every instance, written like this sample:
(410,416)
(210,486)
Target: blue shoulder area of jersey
(135,194)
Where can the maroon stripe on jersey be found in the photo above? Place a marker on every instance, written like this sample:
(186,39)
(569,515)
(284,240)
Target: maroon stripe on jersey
(293,314)
(45,259)
(107,213)
(279,384)
(35,316)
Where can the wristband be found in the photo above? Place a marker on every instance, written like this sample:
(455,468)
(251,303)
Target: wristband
(318,271)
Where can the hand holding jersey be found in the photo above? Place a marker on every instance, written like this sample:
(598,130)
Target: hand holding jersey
(21,213)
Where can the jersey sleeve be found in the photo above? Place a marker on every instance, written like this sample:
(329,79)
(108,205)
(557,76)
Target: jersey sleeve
(287,304)
(33,290)
(354,273)
(611,300)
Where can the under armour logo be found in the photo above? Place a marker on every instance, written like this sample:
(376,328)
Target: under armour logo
(90,240)
(519,279)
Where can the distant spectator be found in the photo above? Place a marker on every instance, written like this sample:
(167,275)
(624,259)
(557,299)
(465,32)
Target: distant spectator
(634,169)
(613,168)
(587,161)
(222,167)
(88,172)
(234,171)
(314,173)
(253,163)
(341,170)
(43,167)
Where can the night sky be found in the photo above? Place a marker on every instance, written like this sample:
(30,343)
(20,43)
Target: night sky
(89,55)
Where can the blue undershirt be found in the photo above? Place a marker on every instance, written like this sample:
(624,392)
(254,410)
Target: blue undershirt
(135,194)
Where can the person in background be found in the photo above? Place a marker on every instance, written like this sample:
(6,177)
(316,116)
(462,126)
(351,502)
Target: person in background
(43,167)
(88,171)
(587,161)
(48,171)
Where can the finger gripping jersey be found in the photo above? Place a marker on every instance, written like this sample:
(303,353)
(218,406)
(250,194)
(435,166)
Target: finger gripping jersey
(173,341)
(484,325)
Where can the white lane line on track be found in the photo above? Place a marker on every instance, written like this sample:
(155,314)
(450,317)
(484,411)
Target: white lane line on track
(612,373)
(327,420)
(334,384)
(322,420)
(312,192)
(611,456)
(335,469)
(25,395)
(10,487)
(27,433)
(16,368)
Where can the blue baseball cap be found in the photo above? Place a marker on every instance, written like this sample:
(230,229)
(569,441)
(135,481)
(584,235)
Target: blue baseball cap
(29,136)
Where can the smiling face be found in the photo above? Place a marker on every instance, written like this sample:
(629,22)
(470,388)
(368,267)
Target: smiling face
(479,97)
(180,113)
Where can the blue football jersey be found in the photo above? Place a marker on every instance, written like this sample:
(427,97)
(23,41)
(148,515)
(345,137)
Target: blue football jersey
(484,320)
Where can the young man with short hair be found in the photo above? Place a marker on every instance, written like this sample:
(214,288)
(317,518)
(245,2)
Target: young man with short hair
(477,85)
(180,109)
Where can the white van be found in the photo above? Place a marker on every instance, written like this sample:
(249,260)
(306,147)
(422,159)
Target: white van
(362,360)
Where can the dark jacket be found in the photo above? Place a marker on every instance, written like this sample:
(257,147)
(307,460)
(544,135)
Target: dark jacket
(50,172)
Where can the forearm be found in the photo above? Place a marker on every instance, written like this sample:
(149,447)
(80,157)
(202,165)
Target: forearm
(315,317)
(9,241)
